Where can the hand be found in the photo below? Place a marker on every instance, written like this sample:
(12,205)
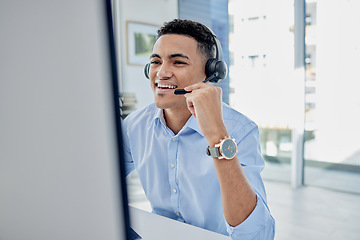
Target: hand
(205,104)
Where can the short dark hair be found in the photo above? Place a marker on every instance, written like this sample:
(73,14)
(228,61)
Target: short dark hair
(195,30)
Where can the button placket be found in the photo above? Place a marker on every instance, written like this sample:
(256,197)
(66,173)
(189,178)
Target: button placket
(172,157)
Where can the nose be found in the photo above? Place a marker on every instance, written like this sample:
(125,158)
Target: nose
(164,72)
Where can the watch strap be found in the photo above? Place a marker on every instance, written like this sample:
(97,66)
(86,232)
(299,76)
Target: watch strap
(213,151)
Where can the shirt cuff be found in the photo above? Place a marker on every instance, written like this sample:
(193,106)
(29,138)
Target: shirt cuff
(253,224)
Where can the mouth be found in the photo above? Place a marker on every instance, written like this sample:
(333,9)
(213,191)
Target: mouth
(165,86)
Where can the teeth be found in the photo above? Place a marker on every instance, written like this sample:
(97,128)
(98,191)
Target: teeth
(166,86)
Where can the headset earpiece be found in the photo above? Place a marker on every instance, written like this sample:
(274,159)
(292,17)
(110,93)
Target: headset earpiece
(146,70)
(216,66)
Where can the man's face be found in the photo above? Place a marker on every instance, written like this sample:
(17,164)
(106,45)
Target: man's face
(175,63)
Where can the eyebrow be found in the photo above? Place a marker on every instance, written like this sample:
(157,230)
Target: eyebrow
(178,55)
(154,55)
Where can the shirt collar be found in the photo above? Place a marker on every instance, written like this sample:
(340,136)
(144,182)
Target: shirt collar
(159,117)
(191,123)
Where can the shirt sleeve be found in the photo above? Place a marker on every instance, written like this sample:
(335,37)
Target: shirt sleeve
(129,163)
(259,224)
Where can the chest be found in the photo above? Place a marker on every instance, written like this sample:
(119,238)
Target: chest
(160,154)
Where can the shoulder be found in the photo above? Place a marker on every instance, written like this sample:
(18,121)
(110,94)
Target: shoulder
(141,116)
(236,122)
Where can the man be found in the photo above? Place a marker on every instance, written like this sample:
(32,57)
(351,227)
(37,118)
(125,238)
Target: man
(167,142)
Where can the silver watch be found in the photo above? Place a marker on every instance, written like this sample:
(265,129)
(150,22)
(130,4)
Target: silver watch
(226,149)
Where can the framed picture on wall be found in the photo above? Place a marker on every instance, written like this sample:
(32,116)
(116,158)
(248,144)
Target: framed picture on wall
(140,40)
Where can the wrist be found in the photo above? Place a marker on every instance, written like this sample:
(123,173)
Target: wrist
(216,137)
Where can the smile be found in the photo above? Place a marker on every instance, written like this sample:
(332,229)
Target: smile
(165,86)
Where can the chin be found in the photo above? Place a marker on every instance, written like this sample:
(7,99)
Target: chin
(162,105)
(160,102)
(166,103)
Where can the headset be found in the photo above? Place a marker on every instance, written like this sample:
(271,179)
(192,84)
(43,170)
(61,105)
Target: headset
(215,68)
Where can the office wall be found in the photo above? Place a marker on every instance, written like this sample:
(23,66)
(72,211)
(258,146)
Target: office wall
(132,79)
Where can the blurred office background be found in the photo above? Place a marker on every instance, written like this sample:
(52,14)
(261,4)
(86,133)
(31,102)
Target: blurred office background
(294,70)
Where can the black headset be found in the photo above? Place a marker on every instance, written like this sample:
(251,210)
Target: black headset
(215,68)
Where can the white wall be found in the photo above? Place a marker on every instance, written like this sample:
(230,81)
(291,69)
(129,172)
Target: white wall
(151,12)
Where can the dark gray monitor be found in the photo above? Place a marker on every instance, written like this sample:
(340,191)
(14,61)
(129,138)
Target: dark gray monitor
(61,169)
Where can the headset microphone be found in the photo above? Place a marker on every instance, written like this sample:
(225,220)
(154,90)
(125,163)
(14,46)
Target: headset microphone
(181,92)
(209,79)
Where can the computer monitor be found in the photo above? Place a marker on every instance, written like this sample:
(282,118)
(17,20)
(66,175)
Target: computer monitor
(61,170)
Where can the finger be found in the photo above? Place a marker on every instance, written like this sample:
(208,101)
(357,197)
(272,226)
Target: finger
(195,86)
(219,90)
(191,107)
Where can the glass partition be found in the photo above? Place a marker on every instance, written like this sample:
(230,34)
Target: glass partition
(332,122)
(262,75)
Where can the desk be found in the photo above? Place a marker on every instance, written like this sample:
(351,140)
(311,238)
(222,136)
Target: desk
(151,226)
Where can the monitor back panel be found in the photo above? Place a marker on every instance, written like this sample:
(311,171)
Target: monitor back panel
(59,155)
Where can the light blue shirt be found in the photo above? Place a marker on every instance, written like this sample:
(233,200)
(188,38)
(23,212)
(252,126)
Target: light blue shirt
(179,178)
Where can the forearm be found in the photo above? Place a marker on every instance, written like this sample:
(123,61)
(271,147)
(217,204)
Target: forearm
(238,196)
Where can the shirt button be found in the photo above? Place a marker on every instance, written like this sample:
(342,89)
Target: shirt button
(172,165)
(174,139)
(174,190)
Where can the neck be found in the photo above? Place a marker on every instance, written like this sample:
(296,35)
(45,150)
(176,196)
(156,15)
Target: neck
(176,118)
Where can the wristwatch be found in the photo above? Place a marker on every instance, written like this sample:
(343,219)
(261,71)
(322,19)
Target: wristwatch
(226,149)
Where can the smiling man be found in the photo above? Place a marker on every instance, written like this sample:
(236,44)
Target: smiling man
(199,161)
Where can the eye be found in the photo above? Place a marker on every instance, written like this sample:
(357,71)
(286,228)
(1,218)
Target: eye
(179,62)
(154,62)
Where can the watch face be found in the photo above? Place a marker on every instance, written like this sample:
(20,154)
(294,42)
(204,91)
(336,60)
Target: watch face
(228,149)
